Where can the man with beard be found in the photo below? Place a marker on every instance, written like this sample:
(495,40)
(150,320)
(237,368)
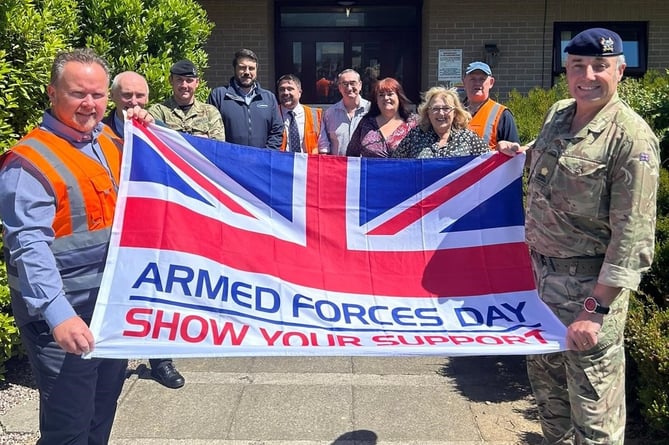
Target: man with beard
(302,124)
(490,120)
(183,112)
(250,113)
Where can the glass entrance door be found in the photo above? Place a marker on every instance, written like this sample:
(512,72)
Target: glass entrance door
(317,55)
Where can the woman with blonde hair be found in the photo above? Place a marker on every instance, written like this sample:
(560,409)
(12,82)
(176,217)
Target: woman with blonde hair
(442,129)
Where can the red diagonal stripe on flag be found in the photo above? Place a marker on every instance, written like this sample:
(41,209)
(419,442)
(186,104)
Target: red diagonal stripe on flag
(418,210)
(192,173)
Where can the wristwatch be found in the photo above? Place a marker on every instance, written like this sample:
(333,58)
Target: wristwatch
(592,306)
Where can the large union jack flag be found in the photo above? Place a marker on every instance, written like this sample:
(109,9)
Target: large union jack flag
(338,233)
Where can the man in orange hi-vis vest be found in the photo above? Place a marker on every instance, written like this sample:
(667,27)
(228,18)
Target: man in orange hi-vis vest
(306,120)
(490,120)
(58,188)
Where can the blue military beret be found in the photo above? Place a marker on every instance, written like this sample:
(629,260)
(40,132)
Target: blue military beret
(596,42)
(184,68)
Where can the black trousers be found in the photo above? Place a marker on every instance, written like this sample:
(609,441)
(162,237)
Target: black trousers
(155,362)
(77,397)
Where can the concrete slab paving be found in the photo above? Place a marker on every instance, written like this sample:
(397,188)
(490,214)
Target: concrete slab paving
(322,401)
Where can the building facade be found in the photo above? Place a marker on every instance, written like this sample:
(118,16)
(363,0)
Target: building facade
(424,42)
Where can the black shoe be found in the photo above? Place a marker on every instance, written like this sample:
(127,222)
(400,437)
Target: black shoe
(167,375)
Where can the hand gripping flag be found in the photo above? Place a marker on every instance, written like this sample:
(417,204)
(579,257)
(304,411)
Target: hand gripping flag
(224,250)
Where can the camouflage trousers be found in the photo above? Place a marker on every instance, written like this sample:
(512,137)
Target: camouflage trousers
(580,395)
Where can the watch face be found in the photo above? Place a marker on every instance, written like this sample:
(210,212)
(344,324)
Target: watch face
(590,304)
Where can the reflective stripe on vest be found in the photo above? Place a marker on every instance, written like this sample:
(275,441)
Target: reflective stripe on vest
(490,122)
(485,121)
(80,185)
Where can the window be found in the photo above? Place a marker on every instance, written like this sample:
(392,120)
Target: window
(396,16)
(635,43)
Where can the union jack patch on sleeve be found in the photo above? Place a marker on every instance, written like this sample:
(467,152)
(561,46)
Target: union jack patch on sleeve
(643,157)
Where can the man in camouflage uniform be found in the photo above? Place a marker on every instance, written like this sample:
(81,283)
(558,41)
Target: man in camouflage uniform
(183,112)
(590,225)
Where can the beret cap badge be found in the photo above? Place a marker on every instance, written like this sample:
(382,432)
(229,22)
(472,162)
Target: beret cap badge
(607,44)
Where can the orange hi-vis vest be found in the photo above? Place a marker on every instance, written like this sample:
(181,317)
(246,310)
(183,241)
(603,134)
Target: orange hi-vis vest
(85,197)
(485,121)
(312,129)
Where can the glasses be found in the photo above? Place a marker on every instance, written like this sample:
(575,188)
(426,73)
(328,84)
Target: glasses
(353,83)
(437,110)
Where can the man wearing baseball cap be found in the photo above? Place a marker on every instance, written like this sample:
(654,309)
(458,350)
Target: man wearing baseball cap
(183,112)
(590,226)
(492,121)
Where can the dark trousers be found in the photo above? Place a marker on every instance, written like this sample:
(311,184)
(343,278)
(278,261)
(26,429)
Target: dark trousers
(155,362)
(77,397)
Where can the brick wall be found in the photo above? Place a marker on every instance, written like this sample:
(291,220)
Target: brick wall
(525,43)
(522,30)
(240,24)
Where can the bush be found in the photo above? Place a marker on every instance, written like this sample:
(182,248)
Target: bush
(647,337)
(529,111)
(9,334)
(146,36)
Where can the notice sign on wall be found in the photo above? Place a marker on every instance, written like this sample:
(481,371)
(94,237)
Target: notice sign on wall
(449,69)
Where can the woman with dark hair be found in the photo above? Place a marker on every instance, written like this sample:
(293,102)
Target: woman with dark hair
(442,130)
(388,121)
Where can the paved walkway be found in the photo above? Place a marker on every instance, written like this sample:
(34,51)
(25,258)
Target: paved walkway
(324,401)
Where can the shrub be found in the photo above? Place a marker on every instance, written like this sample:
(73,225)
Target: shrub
(31,33)
(146,36)
(647,340)
(529,111)
(9,334)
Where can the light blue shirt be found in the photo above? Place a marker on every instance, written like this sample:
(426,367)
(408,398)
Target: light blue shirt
(337,128)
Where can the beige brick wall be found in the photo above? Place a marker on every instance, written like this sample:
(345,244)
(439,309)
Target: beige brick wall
(239,24)
(522,30)
(525,44)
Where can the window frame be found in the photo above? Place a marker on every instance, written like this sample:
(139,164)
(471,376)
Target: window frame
(636,31)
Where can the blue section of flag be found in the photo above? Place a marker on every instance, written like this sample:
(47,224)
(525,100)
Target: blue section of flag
(152,168)
(248,166)
(399,179)
(504,209)
(267,174)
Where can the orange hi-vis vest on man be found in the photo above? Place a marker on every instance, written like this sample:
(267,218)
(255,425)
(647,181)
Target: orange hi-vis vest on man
(485,121)
(85,197)
(312,129)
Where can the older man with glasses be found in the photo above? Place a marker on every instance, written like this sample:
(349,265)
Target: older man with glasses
(341,119)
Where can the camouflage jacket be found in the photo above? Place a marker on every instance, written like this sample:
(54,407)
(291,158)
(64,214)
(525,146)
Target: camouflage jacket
(200,120)
(594,193)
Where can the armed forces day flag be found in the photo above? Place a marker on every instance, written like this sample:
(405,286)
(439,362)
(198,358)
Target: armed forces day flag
(224,250)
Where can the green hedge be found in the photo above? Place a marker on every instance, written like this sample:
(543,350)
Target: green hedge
(146,36)
(10,343)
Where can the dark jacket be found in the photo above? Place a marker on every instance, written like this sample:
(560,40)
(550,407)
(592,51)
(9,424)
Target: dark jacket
(111,122)
(257,125)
